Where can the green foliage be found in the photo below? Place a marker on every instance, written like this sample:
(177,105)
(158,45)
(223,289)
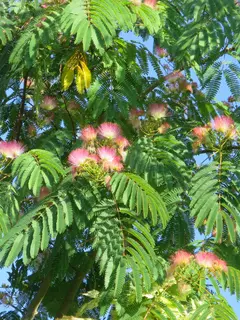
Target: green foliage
(5,26)
(213,76)
(89,246)
(9,207)
(159,161)
(98,22)
(43,221)
(35,168)
(40,31)
(124,65)
(135,193)
(213,202)
(132,246)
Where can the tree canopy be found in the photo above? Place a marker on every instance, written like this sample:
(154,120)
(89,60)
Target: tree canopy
(102,199)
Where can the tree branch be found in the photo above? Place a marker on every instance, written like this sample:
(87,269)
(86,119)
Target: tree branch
(151,88)
(71,120)
(230,148)
(43,289)
(33,306)
(74,287)
(18,125)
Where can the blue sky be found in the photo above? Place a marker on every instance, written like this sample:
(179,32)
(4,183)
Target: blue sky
(223,94)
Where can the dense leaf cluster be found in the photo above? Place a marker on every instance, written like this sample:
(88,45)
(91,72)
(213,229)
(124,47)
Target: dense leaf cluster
(81,248)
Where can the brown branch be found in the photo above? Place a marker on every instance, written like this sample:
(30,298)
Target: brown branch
(156,83)
(33,306)
(43,289)
(151,88)
(231,148)
(18,125)
(74,287)
(71,119)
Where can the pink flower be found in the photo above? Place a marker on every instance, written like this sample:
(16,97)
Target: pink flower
(122,142)
(164,127)
(185,86)
(73,105)
(107,181)
(158,111)
(150,3)
(174,76)
(78,157)
(49,103)
(134,117)
(136,2)
(223,124)
(109,130)
(232,134)
(116,165)
(200,132)
(110,159)
(107,154)
(11,149)
(184,288)
(94,157)
(206,259)
(161,52)
(88,134)
(181,257)
(221,265)
(136,112)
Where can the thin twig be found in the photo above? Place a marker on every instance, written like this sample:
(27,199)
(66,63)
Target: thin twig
(211,150)
(18,125)
(71,119)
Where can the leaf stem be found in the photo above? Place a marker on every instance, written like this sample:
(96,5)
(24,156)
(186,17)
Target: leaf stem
(18,125)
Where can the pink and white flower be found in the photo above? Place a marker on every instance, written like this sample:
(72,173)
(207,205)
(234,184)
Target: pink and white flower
(210,261)
(88,134)
(78,157)
(174,76)
(109,157)
(134,117)
(107,154)
(150,3)
(223,124)
(136,2)
(164,128)
(200,132)
(73,105)
(122,142)
(11,149)
(109,130)
(49,103)
(116,165)
(181,257)
(134,112)
(107,181)
(94,157)
(221,265)
(161,52)
(184,288)
(158,111)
